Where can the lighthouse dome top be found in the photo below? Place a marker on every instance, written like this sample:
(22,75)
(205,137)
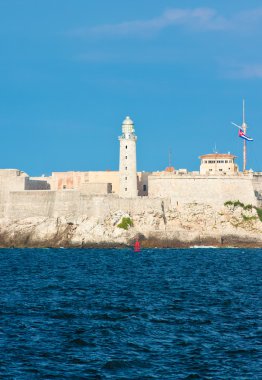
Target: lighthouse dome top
(128,129)
(128,121)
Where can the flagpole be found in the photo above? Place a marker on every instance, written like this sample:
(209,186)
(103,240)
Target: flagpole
(242,130)
(244,126)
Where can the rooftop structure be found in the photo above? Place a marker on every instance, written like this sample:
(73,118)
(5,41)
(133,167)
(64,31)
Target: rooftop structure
(218,163)
(170,169)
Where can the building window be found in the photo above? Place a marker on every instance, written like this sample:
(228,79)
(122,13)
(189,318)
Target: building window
(126,178)
(210,170)
(220,170)
(125,189)
(144,187)
(64,186)
(126,167)
(126,146)
(126,157)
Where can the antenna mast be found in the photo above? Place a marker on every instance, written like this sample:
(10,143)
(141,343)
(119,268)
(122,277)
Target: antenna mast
(169,157)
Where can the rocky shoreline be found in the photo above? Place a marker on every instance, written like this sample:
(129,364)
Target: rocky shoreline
(182,227)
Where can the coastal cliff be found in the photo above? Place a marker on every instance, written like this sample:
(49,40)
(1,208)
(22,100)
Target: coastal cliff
(187,225)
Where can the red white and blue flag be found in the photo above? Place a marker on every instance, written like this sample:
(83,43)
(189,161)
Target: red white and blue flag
(243,136)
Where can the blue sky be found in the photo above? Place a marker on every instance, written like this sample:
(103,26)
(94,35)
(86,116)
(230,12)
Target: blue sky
(70,71)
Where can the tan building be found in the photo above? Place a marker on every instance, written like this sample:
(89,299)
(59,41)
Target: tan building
(81,180)
(218,163)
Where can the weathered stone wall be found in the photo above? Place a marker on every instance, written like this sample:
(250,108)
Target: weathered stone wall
(200,189)
(142,183)
(96,188)
(94,199)
(10,180)
(72,203)
(24,204)
(106,177)
(37,203)
(257,182)
(74,180)
(68,180)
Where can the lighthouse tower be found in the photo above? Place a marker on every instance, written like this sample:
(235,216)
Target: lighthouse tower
(127,161)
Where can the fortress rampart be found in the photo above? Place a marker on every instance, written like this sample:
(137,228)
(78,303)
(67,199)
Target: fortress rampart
(95,194)
(214,190)
(19,198)
(73,204)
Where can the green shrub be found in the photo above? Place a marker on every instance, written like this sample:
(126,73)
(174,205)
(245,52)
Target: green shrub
(248,207)
(259,213)
(228,203)
(126,222)
(238,204)
(248,218)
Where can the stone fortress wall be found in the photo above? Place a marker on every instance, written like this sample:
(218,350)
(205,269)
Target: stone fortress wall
(214,190)
(74,194)
(19,199)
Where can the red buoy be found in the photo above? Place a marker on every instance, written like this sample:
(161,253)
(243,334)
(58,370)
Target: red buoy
(137,246)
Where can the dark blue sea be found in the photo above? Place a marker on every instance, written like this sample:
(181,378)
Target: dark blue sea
(116,314)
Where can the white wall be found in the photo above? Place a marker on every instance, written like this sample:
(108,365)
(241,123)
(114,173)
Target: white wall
(213,190)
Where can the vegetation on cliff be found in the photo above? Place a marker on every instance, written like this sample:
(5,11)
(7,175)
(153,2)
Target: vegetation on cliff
(126,222)
(247,207)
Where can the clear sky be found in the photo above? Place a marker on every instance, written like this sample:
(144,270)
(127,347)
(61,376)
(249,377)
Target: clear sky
(70,71)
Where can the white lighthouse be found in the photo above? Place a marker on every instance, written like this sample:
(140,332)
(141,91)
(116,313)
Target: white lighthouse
(127,160)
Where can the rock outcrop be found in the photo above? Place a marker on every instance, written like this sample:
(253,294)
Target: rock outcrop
(182,226)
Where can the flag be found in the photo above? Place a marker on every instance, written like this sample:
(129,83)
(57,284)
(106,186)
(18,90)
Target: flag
(243,136)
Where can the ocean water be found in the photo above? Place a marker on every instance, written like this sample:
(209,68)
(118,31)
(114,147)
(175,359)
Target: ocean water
(116,314)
